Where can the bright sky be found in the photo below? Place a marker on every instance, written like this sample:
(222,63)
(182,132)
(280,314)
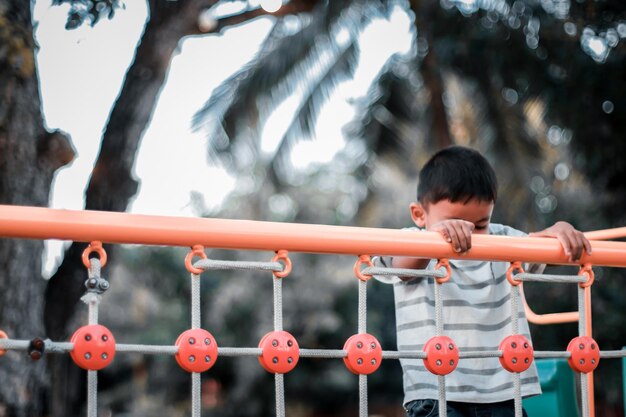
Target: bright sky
(81,73)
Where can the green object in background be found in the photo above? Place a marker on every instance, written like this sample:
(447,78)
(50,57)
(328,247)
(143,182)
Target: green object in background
(559,391)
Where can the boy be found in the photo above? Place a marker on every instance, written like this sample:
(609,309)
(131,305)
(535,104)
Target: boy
(456,195)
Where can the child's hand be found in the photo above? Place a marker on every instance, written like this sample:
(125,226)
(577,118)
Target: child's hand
(572,240)
(457,232)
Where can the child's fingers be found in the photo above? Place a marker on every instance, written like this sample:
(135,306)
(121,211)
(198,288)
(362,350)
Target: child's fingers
(577,249)
(587,245)
(566,243)
(455,240)
(576,244)
(583,245)
(463,233)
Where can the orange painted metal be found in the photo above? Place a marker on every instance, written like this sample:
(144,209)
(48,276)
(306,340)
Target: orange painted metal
(550,318)
(108,227)
(94,247)
(606,234)
(3,335)
(196,250)
(589,332)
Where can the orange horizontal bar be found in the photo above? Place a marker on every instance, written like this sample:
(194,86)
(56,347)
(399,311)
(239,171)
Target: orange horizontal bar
(606,234)
(109,227)
(552,318)
(548,318)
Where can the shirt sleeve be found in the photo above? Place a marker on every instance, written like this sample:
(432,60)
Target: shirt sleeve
(386,262)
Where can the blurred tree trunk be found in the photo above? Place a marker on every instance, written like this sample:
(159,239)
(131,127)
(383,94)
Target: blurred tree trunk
(28,158)
(425,14)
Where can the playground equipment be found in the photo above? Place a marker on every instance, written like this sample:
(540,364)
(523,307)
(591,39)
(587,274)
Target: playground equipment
(93,347)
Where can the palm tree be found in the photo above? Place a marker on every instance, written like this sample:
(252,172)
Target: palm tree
(527,64)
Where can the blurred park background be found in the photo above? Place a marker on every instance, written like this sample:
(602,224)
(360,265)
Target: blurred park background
(304,111)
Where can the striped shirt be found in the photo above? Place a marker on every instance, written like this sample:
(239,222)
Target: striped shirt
(476,315)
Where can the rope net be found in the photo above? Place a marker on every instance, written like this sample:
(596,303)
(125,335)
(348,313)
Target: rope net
(93,347)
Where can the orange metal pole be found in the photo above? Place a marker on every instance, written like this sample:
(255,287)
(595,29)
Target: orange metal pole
(589,332)
(550,318)
(109,227)
(606,234)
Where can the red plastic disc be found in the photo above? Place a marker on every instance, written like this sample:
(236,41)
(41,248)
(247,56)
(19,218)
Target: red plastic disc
(442,355)
(517,353)
(585,354)
(280,352)
(197,350)
(94,347)
(364,354)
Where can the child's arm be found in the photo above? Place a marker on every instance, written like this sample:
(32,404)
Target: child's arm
(573,241)
(457,232)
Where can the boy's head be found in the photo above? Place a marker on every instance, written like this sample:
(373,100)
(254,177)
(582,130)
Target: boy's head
(456,183)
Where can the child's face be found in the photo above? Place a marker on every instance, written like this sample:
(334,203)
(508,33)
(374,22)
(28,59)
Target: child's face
(474,211)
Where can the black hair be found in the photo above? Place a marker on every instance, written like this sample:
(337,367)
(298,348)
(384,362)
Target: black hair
(457,174)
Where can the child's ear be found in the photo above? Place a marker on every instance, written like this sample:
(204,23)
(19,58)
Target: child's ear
(418,213)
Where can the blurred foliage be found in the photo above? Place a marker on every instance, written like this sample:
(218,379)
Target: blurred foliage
(90,11)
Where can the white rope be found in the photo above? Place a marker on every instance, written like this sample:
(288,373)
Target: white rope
(92,393)
(517,394)
(196,393)
(582,331)
(362,328)
(565,279)
(584,401)
(95,269)
(480,354)
(441,379)
(92,299)
(552,354)
(213,264)
(402,272)
(196,323)
(13,344)
(234,351)
(323,353)
(441,395)
(62,347)
(363,395)
(517,386)
(147,349)
(195,301)
(613,354)
(438,310)
(362,312)
(582,314)
(388,354)
(278,304)
(515,296)
(279,383)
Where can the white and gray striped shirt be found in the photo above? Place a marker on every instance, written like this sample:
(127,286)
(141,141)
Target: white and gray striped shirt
(476,315)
